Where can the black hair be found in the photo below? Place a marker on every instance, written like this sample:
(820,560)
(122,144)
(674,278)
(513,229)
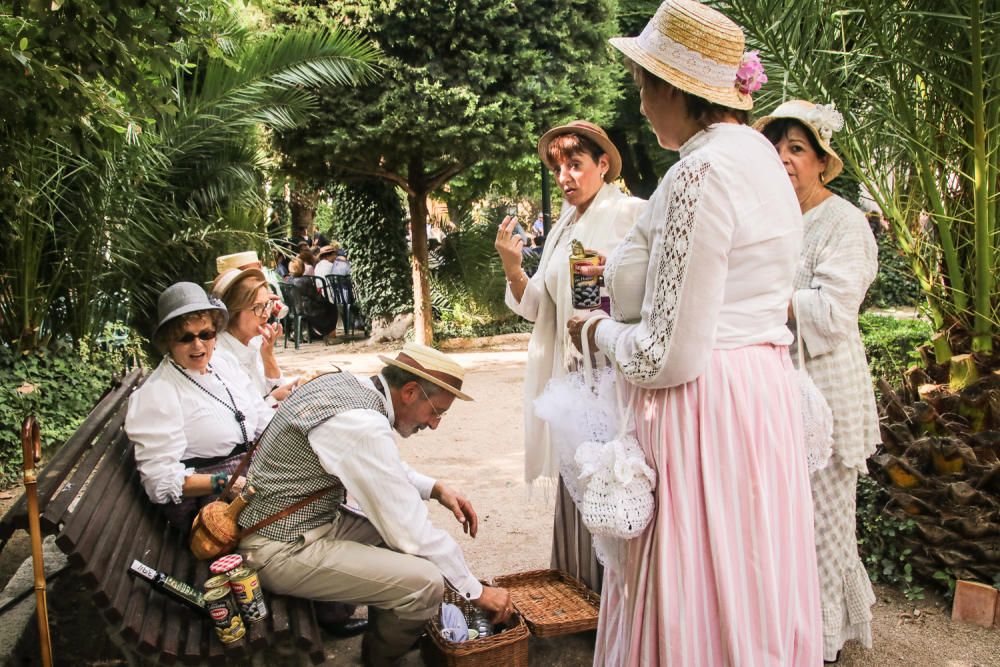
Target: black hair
(777,129)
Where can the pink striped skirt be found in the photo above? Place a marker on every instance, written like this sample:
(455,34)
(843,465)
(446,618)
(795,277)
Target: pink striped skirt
(725,574)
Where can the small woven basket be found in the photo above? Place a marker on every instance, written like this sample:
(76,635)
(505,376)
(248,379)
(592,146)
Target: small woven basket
(504,649)
(552,602)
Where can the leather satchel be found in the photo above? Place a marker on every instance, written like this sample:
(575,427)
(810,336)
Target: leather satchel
(215,531)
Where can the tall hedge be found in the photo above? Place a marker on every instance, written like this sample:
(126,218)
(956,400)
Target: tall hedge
(370,218)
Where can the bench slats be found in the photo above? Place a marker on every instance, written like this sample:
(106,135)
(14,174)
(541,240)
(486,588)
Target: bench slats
(99,574)
(55,513)
(142,594)
(117,499)
(149,625)
(118,586)
(79,522)
(176,623)
(279,617)
(196,641)
(63,461)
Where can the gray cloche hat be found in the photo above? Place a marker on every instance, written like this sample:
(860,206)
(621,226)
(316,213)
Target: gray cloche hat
(183,298)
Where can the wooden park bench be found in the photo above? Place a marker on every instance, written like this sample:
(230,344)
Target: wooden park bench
(91,499)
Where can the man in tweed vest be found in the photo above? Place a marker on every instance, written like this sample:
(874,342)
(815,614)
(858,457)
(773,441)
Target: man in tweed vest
(335,433)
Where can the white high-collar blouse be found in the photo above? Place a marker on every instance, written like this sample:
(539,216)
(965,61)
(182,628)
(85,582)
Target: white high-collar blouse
(710,263)
(170,419)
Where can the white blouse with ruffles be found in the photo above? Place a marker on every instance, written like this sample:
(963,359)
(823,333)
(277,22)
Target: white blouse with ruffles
(710,263)
(170,419)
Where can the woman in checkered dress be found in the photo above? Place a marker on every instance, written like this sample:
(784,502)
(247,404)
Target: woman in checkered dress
(838,263)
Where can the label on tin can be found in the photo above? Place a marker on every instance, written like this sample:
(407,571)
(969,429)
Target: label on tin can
(250,597)
(218,581)
(586,289)
(222,610)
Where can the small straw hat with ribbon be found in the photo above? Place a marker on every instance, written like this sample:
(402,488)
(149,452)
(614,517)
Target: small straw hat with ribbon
(432,365)
(820,119)
(585,129)
(699,50)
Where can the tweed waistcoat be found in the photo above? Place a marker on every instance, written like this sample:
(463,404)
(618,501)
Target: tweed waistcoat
(285,469)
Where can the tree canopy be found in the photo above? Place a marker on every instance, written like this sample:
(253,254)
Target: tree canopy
(463,82)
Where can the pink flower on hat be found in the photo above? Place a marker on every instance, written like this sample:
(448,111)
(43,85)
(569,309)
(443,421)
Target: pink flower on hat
(750,76)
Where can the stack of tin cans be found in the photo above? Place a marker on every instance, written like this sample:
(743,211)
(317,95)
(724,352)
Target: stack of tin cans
(233,595)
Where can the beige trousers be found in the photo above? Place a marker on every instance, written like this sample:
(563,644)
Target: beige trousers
(343,563)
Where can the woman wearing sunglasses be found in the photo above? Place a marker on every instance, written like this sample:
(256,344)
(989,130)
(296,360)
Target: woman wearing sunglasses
(193,418)
(248,336)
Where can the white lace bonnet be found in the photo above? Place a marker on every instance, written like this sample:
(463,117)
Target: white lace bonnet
(821,119)
(694,48)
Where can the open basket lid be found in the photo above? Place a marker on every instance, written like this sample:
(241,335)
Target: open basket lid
(552,602)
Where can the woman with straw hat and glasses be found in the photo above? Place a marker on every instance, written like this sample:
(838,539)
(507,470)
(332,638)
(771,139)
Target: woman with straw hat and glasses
(725,573)
(839,261)
(193,418)
(597,214)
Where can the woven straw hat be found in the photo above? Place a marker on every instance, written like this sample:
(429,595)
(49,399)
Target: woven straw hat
(692,47)
(235,261)
(432,365)
(820,119)
(225,280)
(592,132)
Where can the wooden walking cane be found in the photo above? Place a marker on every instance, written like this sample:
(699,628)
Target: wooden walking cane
(31,443)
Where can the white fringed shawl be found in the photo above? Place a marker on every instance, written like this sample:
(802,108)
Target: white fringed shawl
(600,228)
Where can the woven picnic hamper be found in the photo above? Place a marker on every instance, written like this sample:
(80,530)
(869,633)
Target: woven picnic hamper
(504,649)
(552,602)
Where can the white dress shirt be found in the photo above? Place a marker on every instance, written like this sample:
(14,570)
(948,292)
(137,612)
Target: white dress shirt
(324,267)
(170,419)
(250,361)
(359,447)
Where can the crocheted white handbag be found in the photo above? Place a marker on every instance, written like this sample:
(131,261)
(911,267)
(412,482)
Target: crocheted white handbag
(817,418)
(618,485)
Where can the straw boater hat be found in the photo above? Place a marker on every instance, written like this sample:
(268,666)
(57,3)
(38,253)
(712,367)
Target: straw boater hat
(329,249)
(820,119)
(431,365)
(225,280)
(235,261)
(591,131)
(694,48)
(183,298)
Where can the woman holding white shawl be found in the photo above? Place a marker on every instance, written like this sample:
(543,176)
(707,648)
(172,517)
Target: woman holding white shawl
(597,214)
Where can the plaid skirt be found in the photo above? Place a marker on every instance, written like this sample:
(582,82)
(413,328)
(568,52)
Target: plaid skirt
(182,514)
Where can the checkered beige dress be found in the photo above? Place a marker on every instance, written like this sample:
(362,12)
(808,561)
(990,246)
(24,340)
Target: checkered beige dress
(839,261)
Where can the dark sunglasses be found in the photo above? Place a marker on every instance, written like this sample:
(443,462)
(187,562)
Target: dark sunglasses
(206,335)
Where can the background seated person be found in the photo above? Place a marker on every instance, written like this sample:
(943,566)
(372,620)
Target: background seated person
(337,431)
(324,266)
(322,314)
(192,419)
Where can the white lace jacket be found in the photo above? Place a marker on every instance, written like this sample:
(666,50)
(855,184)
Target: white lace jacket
(709,265)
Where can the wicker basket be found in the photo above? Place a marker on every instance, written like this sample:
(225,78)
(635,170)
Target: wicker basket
(504,649)
(552,602)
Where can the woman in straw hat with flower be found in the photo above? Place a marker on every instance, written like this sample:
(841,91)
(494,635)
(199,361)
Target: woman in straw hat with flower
(597,214)
(839,262)
(725,574)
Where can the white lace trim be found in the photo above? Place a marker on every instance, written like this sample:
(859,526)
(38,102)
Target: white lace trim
(671,270)
(684,60)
